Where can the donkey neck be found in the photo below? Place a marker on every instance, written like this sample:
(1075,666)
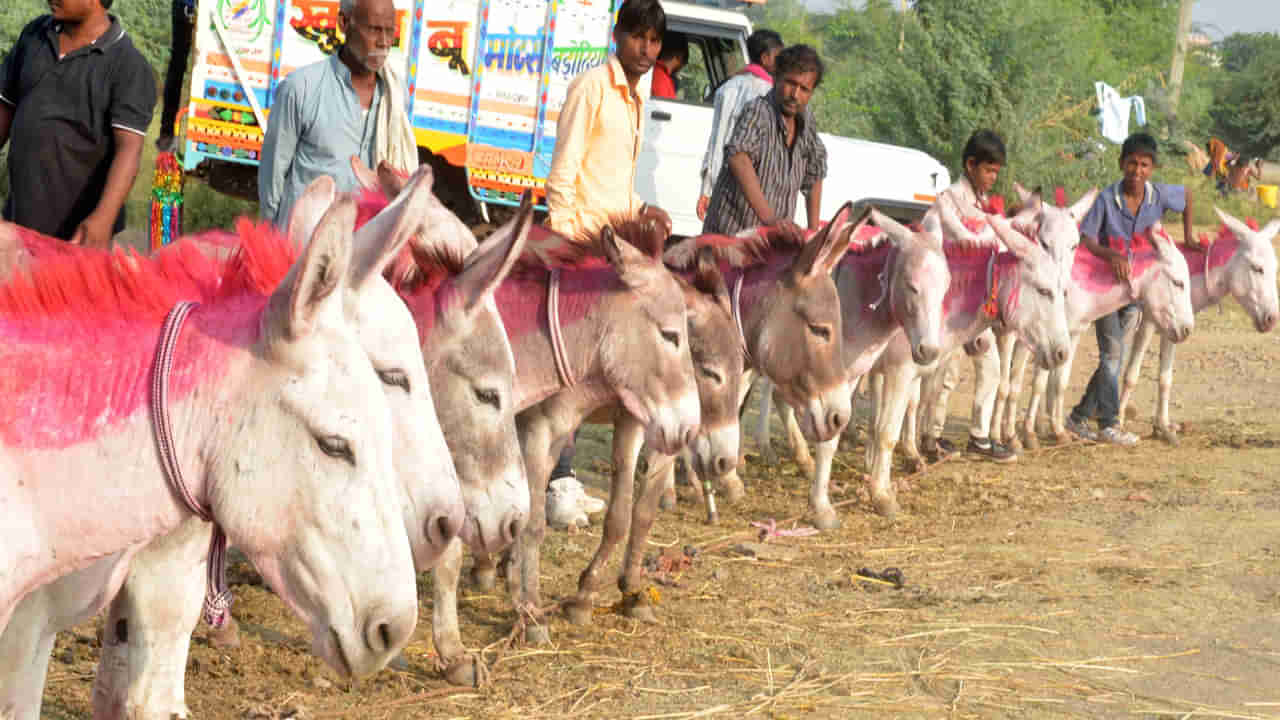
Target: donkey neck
(963,313)
(106,427)
(522,302)
(867,330)
(1211,287)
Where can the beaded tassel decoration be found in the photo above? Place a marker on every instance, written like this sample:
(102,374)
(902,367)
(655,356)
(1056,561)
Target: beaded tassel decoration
(166,201)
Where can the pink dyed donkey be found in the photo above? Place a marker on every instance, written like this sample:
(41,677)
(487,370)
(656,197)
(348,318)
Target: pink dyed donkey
(1240,262)
(287,367)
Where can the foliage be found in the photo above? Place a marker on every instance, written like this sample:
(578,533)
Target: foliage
(1246,108)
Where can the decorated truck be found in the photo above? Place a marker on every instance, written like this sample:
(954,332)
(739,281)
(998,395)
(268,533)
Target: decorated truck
(486,81)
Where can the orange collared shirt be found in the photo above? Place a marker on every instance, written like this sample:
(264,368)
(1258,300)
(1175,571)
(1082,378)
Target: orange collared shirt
(598,140)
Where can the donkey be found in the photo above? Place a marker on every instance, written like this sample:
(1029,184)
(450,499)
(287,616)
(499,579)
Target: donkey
(141,669)
(788,310)
(892,283)
(1160,281)
(718,360)
(1241,262)
(1020,288)
(323,532)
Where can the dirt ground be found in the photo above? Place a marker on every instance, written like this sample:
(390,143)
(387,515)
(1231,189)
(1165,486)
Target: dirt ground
(1082,581)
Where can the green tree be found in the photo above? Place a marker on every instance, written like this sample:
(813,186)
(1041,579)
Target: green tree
(1246,107)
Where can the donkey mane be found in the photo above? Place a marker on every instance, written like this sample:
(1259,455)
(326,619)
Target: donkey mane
(546,248)
(748,248)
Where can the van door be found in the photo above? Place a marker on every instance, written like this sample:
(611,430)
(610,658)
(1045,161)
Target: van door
(669,170)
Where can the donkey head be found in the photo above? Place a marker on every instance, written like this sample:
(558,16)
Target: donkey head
(918,283)
(799,335)
(718,363)
(315,426)
(1057,230)
(473,371)
(1165,289)
(645,352)
(1034,305)
(1251,272)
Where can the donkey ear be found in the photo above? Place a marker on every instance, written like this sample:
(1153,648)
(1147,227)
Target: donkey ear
(393,180)
(1018,243)
(309,208)
(1081,207)
(488,265)
(381,239)
(707,278)
(813,256)
(1238,228)
(316,279)
(1161,241)
(365,176)
(1269,230)
(1025,196)
(899,234)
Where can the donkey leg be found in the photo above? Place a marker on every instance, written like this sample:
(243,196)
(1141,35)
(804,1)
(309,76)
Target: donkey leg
(1164,426)
(1002,425)
(539,444)
(824,515)
(25,646)
(1133,366)
(1058,379)
(763,443)
(147,636)
(636,603)
(897,386)
(917,395)
(458,666)
(1018,373)
(796,440)
(628,434)
(875,398)
(669,499)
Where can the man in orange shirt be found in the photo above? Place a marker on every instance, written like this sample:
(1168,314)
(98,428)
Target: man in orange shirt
(598,140)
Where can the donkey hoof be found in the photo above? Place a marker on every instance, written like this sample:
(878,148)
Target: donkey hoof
(769,457)
(1062,437)
(733,489)
(1031,441)
(636,606)
(537,635)
(914,464)
(885,504)
(484,578)
(578,612)
(466,671)
(805,463)
(826,519)
(1166,434)
(227,636)
(667,502)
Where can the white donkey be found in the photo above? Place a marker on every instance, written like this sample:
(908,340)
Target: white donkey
(1240,262)
(165,568)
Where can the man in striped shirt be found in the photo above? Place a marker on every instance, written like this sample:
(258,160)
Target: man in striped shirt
(773,153)
(751,82)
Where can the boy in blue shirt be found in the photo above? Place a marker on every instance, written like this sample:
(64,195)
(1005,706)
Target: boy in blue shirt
(1121,211)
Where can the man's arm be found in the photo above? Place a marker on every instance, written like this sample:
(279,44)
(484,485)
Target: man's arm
(745,173)
(1118,260)
(813,205)
(572,131)
(727,99)
(95,231)
(278,147)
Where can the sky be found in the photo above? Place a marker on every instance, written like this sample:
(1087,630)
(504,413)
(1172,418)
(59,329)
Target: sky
(1227,15)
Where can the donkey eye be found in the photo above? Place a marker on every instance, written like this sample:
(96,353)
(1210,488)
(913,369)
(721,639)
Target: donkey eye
(394,378)
(672,337)
(336,446)
(488,396)
(1178,284)
(1045,293)
(710,374)
(1256,268)
(913,289)
(821,331)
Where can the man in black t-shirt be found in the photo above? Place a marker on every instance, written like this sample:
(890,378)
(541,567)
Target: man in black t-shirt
(76,99)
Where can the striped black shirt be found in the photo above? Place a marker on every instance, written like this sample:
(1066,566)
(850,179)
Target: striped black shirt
(782,170)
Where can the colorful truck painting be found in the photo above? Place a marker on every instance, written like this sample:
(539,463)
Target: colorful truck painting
(486,78)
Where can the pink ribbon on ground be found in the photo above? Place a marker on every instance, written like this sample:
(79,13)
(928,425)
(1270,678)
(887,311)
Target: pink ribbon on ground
(770,529)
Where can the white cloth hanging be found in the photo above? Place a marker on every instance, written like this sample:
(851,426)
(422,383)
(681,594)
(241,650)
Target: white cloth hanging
(1114,117)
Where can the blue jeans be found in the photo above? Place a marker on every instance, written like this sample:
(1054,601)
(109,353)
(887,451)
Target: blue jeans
(1102,398)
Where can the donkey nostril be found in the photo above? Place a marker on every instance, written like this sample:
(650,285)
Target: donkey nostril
(722,465)
(384,634)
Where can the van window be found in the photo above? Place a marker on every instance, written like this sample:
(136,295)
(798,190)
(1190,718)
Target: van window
(712,60)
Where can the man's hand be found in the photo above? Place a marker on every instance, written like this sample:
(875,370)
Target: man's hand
(657,214)
(1120,266)
(787,227)
(94,232)
(703,202)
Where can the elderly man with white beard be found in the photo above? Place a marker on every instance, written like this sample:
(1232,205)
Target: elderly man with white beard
(351,103)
